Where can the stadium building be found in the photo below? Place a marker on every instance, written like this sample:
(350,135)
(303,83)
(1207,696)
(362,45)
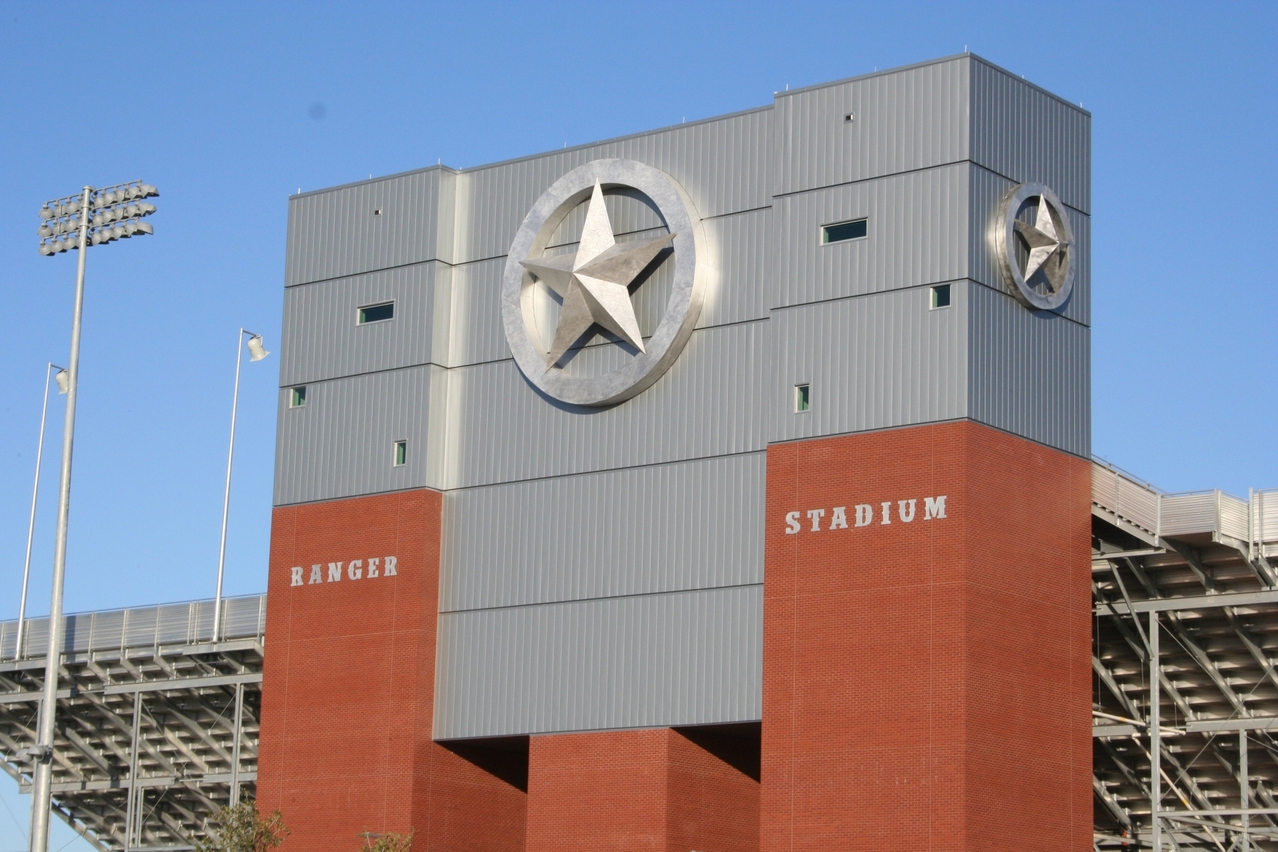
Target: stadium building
(723,487)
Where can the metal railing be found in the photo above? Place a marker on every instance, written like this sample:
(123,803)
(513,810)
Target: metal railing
(167,624)
(1139,507)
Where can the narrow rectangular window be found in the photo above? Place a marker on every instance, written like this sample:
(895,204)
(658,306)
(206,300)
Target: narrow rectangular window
(401,453)
(844,231)
(941,296)
(802,397)
(297,396)
(375,313)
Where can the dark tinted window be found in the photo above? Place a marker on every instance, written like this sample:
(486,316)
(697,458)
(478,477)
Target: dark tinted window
(844,231)
(377,313)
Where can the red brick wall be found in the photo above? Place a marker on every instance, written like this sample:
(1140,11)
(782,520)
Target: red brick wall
(347,692)
(637,791)
(926,684)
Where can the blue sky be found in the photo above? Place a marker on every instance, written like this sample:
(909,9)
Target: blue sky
(231,107)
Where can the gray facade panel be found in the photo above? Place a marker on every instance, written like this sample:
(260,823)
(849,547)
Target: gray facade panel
(916,230)
(722,163)
(661,528)
(911,118)
(501,430)
(321,339)
(1027,135)
(871,362)
(477,335)
(987,190)
(648,661)
(337,232)
(741,246)
(340,444)
(1030,372)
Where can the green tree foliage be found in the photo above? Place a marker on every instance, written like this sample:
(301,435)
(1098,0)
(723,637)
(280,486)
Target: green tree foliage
(240,828)
(389,842)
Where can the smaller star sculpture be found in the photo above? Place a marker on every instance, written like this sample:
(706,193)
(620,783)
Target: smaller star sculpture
(1043,242)
(594,282)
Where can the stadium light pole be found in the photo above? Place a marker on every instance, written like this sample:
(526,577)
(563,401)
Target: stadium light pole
(63,383)
(256,353)
(94,217)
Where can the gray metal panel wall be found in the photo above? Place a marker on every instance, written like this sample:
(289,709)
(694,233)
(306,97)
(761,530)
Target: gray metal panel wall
(660,528)
(872,362)
(340,443)
(646,661)
(321,339)
(1026,134)
(987,190)
(722,163)
(707,404)
(1030,372)
(742,244)
(916,234)
(909,118)
(335,232)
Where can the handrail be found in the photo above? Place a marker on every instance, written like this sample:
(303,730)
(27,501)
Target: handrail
(185,622)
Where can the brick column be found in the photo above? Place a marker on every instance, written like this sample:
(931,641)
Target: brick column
(926,677)
(643,791)
(348,685)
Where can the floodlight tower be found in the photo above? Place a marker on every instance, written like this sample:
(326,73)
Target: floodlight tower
(94,217)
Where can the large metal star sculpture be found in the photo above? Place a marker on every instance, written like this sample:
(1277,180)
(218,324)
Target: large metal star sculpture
(594,282)
(1043,242)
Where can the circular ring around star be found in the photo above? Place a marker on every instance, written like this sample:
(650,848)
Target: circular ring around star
(593,282)
(1043,279)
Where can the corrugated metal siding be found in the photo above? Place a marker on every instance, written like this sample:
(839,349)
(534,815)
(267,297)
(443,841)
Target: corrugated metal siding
(662,528)
(322,341)
(477,332)
(909,119)
(340,443)
(648,661)
(501,430)
(334,233)
(915,235)
(987,190)
(872,362)
(723,165)
(1030,372)
(1025,134)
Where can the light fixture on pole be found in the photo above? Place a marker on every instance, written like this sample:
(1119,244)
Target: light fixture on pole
(61,378)
(94,217)
(256,353)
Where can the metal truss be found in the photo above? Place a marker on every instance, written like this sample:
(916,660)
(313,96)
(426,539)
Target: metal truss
(1185,702)
(157,727)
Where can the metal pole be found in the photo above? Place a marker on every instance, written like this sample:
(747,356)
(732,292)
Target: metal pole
(1244,784)
(131,810)
(1155,736)
(35,492)
(235,750)
(41,799)
(226,497)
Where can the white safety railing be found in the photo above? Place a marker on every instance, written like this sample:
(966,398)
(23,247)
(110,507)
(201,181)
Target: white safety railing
(167,624)
(1125,500)
(1142,509)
